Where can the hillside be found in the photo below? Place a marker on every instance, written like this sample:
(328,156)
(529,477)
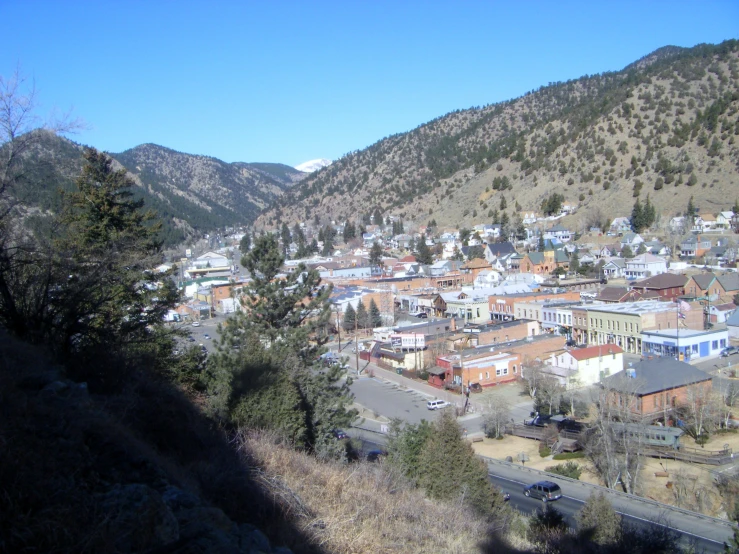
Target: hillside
(666,126)
(193,194)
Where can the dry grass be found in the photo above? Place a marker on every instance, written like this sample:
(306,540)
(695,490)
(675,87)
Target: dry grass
(365,507)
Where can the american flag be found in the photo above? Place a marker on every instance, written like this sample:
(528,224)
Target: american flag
(682,307)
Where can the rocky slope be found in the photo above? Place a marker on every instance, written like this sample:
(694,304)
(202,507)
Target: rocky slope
(665,125)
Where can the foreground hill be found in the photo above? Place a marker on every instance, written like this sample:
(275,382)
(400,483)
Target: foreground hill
(193,194)
(665,125)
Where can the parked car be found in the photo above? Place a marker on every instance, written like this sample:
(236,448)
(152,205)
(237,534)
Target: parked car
(437,404)
(196,324)
(728,351)
(206,336)
(421,315)
(191,339)
(339,434)
(544,490)
(475,387)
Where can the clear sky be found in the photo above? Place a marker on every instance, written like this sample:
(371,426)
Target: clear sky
(278,81)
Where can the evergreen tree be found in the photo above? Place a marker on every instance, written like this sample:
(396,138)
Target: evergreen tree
(245,243)
(269,381)
(540,246)
(503,203)
(690,212)
(405,444)
(377,217)
(350,232)
(107,244)
(637,216)
(627,252)
(328,244)
(374,315)
(641,249)
(423,252)
(363,321)
(649,213)
(285,237)
(375,255)
(457,255)
(598,522)
(350,318)
(465,476)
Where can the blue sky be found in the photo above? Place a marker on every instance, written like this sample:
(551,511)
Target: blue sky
(277,81)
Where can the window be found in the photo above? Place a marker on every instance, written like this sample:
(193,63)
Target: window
(480,377)
(714,345)
(487,375)
(514,368)
(501,371)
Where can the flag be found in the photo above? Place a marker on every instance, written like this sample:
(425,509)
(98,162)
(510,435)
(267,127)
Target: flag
(681,315)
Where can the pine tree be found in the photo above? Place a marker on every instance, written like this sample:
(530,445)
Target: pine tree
(465,476)
(540,246)
(423,252)
(598,522)
(374,314)
(269,380)
(362,316)
(107,243)
(375,256)
(245,243)
(637,216)
(285,237)
(350,318)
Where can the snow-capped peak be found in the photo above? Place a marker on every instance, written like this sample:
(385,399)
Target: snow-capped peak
(313,165)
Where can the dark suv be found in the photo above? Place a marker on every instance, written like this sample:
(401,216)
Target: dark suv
(545,490)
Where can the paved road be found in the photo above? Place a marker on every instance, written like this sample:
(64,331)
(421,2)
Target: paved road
(569,506)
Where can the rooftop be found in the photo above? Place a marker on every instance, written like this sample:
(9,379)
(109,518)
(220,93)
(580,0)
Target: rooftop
(651,376)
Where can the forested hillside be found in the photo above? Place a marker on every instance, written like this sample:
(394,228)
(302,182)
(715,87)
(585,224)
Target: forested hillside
(192,194)
(664,126)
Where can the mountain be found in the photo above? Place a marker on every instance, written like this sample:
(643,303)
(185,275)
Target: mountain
(664,126)
(192,194)
(313,165)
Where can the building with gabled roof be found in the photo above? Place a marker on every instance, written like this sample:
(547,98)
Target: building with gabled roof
(667,285)
(583,367)
(654,387)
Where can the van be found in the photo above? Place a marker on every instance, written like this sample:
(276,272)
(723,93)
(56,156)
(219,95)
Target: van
(436,404)
(547,491)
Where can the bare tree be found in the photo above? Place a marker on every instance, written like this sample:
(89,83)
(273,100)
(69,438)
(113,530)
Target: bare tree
(533,375)
(727,395)
(497,412)
(700,409)
(549,393)
(616,442)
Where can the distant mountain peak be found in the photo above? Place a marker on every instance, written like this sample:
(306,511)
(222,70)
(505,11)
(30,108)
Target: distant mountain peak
(313,165)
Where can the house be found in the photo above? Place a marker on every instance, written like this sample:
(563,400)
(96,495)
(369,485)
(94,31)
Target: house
(621,225)
(719,313)
(708,222)
(475,266)
(723,220)
(496,250)
(632,240)
(713,288)
(644,265)
(694,247)
(655,387)
(667,285)
(583,367)
(486,278)
(657,248)
(614,268)
(558,232)
(441,267)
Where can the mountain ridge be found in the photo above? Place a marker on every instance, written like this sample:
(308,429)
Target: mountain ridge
(664,126)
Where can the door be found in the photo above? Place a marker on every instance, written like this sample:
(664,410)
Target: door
(704,349)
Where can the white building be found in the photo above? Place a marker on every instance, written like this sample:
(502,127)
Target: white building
(644,265)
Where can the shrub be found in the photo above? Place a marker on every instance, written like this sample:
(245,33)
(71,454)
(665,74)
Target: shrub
(568,469)
(569,455)
(544,451)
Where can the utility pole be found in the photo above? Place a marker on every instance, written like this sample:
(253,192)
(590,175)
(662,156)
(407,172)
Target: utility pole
(338,328)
